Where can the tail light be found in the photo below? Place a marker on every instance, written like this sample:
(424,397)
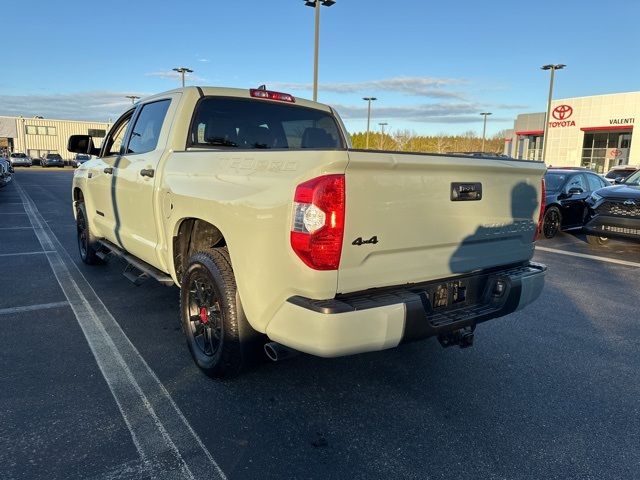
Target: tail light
(543,202)
(318,221)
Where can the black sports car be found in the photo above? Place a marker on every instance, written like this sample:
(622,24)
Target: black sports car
(614,212)
(567,192)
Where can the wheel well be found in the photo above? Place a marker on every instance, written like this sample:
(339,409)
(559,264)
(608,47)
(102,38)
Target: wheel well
(77,195)
(193,235)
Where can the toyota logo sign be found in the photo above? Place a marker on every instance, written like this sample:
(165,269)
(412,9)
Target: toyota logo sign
(562,112)
(616,152)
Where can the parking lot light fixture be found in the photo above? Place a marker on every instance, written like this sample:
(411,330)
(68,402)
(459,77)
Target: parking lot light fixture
(484,128)
(368,100)
(133,98)
(182,71)
(553,69)
(316,5)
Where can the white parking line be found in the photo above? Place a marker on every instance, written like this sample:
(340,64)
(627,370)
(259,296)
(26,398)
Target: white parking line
(590,257)
(166,443)
(17,254)
(31,308)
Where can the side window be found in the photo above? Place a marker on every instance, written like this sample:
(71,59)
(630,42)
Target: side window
(577,181)
(594,182)
(146,131)
(113,142)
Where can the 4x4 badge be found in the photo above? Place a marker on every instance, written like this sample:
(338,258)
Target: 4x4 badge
(359,241)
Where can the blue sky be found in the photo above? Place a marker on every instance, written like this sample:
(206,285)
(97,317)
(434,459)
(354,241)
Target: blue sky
(432,65)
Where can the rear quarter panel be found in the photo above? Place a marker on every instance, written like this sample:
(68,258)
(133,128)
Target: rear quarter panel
(248,196)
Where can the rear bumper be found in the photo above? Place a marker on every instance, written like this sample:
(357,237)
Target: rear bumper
(384,318)
(614,227)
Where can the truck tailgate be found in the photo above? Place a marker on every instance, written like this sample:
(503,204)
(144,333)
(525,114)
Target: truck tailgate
(404,224)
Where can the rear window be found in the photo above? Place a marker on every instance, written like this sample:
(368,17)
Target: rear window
(221,122)
(18,155)
(54,156)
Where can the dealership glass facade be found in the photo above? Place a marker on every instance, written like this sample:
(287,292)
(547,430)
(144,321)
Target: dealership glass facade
(603,150)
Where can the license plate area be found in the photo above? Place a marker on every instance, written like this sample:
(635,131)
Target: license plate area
(450,294)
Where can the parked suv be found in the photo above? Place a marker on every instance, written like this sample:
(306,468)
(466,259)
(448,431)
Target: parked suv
(52,160)
(18,159)
(620,173)
(614,212)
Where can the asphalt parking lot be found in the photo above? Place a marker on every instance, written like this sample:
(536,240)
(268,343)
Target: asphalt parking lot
(107,389)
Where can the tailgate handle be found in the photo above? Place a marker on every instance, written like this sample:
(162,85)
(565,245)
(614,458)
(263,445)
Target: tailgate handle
(466,191)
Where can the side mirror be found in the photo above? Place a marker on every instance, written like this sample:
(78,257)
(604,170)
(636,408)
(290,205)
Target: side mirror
(575,191)
(82,144)
(618,180)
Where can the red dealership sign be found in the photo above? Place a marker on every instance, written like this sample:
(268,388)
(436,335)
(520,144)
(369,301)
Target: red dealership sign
(562,113)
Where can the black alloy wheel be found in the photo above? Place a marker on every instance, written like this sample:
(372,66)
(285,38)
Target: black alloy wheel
(552,222)
(205,317)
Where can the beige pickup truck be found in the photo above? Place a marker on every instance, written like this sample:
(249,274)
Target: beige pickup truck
(283,237)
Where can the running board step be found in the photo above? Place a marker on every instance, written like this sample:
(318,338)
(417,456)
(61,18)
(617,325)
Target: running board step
(137,271)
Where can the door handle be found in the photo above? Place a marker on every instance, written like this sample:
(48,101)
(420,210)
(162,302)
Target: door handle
(108,170)
(147,172)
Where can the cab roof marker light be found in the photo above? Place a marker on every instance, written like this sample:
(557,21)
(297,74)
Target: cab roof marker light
(270,95)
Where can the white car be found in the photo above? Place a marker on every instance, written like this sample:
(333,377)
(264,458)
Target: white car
(20,160)
(620,173)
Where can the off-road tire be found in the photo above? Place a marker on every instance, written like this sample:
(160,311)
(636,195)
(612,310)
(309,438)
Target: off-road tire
(236,349)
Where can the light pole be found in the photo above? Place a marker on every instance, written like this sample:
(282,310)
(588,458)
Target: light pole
(316,5)
(553,69)
(484,128)
(182,71)
(382,125)
(133,98)
(369,100)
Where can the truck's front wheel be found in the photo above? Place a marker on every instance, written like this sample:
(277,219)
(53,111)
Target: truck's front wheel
(210,314)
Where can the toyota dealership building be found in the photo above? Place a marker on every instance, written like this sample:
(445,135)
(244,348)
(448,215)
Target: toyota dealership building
(594,132)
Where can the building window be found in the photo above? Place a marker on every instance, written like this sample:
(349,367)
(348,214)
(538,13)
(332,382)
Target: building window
(51,130)
(97,133)
(534,147)
(31,130)
(42,130)
(603,150)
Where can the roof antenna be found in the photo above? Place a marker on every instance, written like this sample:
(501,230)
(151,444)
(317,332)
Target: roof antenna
(262,87)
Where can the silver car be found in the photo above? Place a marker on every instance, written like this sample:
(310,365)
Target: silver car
(19,160)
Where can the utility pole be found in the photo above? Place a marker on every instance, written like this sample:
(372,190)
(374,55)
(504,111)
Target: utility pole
(368,100)
(484,128)
(182,71)
(133,98)
(553,69)
(316,5)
